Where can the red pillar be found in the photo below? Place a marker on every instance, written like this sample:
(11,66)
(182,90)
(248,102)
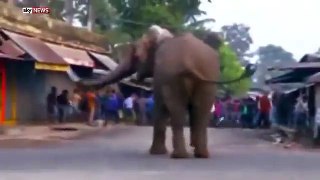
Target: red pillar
(3,93)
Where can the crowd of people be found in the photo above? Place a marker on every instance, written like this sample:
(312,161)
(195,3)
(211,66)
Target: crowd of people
(95,105)
(248,112)
(279,111)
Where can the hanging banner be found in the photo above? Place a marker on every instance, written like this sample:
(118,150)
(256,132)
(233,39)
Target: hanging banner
(51,67)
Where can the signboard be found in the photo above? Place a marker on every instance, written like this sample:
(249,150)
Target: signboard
(51,67)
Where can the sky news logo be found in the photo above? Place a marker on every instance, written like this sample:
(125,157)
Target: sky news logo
(36,10)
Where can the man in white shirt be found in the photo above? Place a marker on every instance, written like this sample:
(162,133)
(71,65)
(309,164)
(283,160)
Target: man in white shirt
(128,107)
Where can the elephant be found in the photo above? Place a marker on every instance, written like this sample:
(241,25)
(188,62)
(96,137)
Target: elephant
(185,72)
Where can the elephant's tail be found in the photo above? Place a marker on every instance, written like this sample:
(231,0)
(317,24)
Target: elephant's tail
(249,70)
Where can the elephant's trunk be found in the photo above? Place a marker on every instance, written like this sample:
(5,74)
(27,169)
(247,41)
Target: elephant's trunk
(122,71)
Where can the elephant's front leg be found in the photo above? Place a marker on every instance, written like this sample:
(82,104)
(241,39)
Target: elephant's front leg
(159,129)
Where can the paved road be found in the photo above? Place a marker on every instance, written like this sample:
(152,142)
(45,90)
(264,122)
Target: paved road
(122,154)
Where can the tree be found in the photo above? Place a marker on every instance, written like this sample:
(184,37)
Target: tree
(271,55)
(137,15)
(238,38)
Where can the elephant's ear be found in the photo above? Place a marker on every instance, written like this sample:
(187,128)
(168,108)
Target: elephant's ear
(153,37)
(142,47)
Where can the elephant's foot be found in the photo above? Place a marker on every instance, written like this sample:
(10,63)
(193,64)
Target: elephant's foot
(157,150)
(179,155)
(201,154)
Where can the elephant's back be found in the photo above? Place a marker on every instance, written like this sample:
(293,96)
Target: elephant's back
(187,54)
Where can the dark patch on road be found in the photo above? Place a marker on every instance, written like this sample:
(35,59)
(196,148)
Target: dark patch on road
(64,129)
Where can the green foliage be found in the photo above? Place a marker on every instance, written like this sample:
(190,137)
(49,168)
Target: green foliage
(137,15)
(231,69)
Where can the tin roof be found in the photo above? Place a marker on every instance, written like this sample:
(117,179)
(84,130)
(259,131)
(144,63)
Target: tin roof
(36,48)
(72,56)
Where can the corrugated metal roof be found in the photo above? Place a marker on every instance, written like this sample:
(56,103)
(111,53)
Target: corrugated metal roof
(36,48)
(105,60)
(72,56)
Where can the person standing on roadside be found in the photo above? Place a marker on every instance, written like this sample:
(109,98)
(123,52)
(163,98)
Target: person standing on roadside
(112,106)
(63,105)
(75,101)
(52,104)
(129,107)
(91,99)
(264,106)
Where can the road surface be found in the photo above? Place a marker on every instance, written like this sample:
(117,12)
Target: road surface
(121,154)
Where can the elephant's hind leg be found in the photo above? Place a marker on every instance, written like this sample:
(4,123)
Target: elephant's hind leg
(159,128)
(175,100)
(203,100)
(191,124)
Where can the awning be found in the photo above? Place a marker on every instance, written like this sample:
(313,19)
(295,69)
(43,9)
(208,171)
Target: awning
(9,47)
(297,88)
(36,48)
(296,76)
(310,58)
(304,65)
(105,60)
(6,56)
(314,78)
(136,85)
(72,56)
